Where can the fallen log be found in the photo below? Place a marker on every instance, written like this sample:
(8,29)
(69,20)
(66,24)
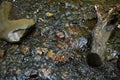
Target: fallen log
(100,34)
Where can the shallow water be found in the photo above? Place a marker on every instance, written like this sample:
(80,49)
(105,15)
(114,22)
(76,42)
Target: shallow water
(22,61)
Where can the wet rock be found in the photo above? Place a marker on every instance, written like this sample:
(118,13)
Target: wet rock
(93,60)
(62,45)
(13,74)
(12,30)
(59,58)
(60,35)
(46,71)
(118,26)
(73,30)
(24,49)
(41,51)
(51,54)
(80,44)
(65,74)
(111,54)
(31,73)
(34,74)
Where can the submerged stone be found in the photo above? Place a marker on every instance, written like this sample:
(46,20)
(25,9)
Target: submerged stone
(12,30)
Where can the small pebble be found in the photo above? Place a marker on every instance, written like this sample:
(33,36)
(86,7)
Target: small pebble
(24,49)
(34,74)
(41,51)
(48,14)
(118,26)
(46,71)
(60,35)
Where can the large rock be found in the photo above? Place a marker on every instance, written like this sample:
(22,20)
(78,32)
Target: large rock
(12,30)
